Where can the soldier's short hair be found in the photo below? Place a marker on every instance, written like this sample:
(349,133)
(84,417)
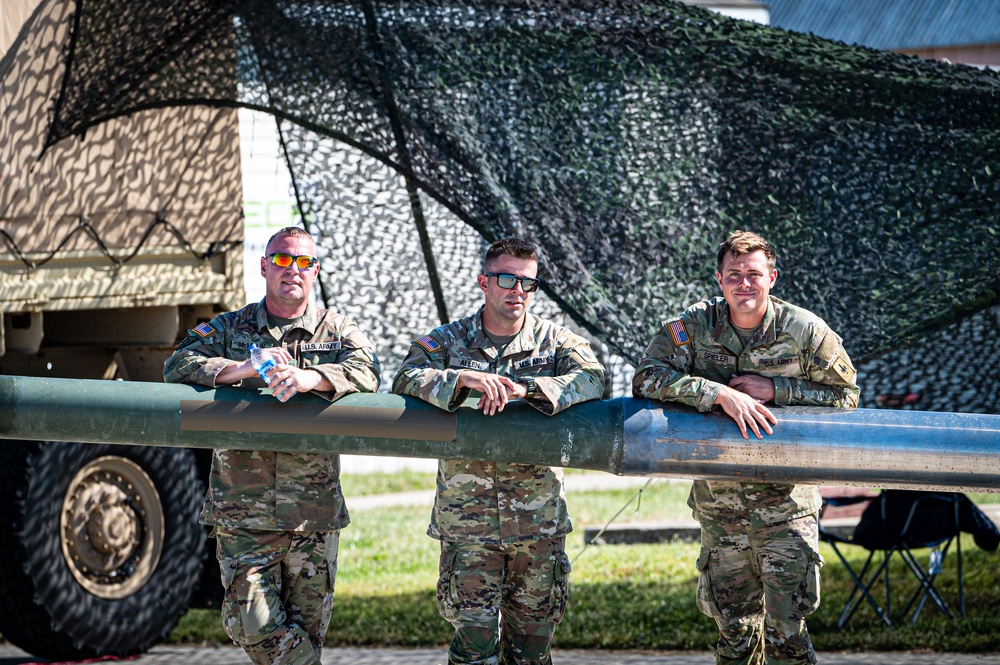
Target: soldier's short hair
(288,231)
(745,242)
(519,249)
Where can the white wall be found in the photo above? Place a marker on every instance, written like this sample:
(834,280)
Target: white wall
(268,205)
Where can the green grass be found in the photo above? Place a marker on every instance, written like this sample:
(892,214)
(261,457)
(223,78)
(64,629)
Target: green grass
(368,484)
(622,596)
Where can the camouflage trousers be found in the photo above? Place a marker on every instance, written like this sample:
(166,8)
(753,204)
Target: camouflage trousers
(759,584)
(503,600)
(279,592)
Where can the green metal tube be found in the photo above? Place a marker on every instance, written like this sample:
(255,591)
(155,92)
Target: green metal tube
(93,411)
(905,449)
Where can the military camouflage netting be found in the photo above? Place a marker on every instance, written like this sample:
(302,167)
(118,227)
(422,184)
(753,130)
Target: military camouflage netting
(624,137)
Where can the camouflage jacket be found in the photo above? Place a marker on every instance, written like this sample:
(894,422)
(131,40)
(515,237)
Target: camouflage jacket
(265,490)
(494,502)
(693,356)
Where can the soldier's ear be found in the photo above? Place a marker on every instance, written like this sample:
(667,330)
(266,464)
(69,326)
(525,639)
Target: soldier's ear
(483,282)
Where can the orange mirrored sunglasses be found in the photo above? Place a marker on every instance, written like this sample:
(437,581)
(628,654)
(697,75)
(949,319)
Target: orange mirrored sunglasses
(303,262)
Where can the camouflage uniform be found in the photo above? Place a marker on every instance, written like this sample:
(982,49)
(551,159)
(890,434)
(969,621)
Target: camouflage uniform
(502,526)
(277,516)
(759,540)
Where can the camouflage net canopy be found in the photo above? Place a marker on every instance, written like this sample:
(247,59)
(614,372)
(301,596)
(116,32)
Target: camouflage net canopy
(625,138)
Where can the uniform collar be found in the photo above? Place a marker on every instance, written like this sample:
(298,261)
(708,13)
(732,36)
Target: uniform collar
(523,341)
(725,334)
(308,321)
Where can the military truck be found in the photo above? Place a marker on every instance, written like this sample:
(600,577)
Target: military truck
(112,245)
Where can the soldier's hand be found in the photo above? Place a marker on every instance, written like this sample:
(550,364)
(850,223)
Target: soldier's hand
(747,411)
(281,355)
(759,387)
(286,380)
(497,390)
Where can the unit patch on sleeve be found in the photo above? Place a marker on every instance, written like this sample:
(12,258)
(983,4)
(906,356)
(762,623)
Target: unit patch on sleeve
(428,344)
(678,332)
(203,330)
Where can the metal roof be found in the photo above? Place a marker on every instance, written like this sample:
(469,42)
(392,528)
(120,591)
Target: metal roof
(742,4)
(893,24)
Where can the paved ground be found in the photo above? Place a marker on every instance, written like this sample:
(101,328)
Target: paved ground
(233,656)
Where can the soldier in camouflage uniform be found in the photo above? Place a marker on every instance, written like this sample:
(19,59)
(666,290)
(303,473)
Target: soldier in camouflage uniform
(503,570)
(759,562)
(277,516)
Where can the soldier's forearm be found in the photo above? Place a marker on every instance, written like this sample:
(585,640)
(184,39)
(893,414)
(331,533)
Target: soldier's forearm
(234,372)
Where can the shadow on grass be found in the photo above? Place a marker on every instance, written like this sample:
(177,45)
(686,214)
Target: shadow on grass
(401,620)
(656,616)
(978,632)
(621,615)
(609,616)
(661,615)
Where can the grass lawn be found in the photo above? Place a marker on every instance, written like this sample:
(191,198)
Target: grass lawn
(621,597)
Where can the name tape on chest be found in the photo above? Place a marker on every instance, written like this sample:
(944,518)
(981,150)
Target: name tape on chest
(316,347)
(713,357)
(469,363)
(546,358)
(777,362)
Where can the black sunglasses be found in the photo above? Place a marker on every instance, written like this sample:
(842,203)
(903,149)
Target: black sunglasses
(283,260)
(507,281)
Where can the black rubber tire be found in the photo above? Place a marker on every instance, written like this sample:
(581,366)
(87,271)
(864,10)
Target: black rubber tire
(44,610)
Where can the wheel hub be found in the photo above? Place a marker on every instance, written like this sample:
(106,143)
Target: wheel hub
(112,526)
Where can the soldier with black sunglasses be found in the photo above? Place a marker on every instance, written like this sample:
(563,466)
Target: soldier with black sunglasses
(503,570)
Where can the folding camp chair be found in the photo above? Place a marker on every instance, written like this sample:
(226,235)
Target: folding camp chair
(835,539)
(899,522)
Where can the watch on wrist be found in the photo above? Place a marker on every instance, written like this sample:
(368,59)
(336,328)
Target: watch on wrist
(530,389)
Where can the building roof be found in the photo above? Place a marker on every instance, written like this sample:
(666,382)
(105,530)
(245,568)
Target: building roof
(747,10)
(715,4)
(893,24)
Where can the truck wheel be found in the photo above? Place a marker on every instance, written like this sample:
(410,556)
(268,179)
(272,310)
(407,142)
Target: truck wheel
(101,546)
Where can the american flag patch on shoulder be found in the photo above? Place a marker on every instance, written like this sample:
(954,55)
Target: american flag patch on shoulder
(428,343)
(678,332)
(203,330)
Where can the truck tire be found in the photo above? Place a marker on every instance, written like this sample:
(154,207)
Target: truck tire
(100,546)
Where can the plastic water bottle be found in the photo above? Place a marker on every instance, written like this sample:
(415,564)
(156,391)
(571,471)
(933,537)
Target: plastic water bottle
(262,361)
